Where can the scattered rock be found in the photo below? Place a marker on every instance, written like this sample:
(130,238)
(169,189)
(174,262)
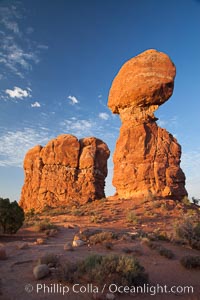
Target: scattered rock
(40,241)
(146,157)
(40,271)
(2,253)
(66,168)
(78,243)
(68,247)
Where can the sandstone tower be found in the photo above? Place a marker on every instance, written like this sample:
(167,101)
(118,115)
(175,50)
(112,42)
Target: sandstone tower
(146,157)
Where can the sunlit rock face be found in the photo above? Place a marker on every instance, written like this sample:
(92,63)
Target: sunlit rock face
(65,170)
(146,157)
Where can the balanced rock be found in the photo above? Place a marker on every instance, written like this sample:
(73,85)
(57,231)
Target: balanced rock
(146,157)
(66,169)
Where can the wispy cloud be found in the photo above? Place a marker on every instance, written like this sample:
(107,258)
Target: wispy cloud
(8,18)
(18,52)
(73,100)
(15,144)
(80,128)
(35,104)
(103,116)
(43,47)
(18,93)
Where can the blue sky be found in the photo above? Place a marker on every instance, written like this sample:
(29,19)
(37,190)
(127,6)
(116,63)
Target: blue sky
(57,63)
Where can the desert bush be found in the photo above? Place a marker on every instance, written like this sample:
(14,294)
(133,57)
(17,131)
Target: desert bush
(44,225)
(67,271)
(77,212)
(161,250)
(48,258)
(11,216)
(166,252)
(186,201)
(120,269)
(190,262)
(190,232)
(132,218)
(30,214)
(96,219)
(102,237)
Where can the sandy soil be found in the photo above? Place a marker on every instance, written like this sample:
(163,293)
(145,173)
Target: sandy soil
(16,272)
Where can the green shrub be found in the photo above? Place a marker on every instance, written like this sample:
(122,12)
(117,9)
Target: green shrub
(161,250)
(190,232)
(186,201)
(96,219)
(166,252)
(190,262)
(48,258)
(44,225)
(11,216)
(119,269)
(77,212)
(102,237)
(132,218)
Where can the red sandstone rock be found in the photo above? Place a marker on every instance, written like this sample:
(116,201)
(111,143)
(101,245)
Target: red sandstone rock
(147,157)
(147,79)
(64,170)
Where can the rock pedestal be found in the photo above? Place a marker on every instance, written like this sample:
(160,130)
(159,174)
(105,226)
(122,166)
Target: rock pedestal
(146,157)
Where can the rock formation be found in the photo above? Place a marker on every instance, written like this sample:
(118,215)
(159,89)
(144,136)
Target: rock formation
(65,170)
(147,157)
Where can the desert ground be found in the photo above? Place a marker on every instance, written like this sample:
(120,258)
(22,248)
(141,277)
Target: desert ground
(137,224)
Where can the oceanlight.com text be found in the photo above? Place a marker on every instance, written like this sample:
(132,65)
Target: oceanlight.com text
(77,288)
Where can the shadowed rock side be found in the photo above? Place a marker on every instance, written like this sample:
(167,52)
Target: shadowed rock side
(146,157)
(65,170)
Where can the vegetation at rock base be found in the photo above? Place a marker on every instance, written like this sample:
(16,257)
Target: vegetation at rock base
(11,216)
(189,231)
(121,269)
(190,262)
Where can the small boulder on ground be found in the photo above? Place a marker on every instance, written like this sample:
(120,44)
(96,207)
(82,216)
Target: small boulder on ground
(68,247)
(40,271)
(40,241)
(78,243)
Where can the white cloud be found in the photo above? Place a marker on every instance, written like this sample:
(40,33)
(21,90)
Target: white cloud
(73,99)
(162,123)
(43,47)
(103,116)
(99,96)
(15,144)
(18,52)
(18,93)
(11,25)
(80,128)
(36,104)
